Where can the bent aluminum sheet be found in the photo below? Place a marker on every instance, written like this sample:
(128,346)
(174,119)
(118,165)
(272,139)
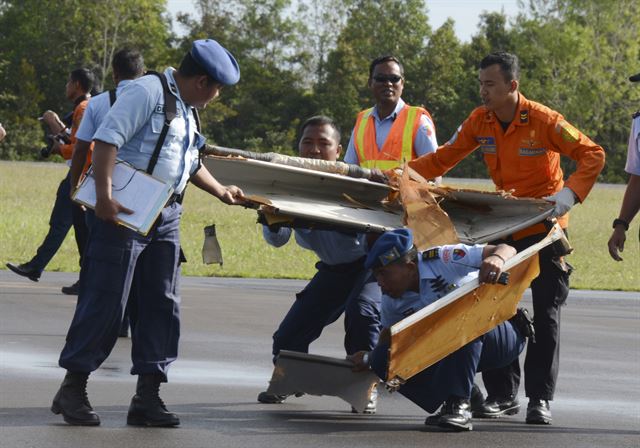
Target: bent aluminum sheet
(302,373)
(432,333)
(341,202)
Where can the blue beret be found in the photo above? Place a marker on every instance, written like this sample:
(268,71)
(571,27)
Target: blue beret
(216,60)
(389,247)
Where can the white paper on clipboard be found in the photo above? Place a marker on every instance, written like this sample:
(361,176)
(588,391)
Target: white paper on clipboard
(135,190)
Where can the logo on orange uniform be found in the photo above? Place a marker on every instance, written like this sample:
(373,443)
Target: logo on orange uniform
(568,132)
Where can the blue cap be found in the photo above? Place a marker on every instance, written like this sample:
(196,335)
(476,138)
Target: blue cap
(216,60)
(389,247)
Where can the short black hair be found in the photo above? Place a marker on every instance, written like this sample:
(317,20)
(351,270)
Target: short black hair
(190,68)
(509,64)
(383,59)
(84,77)
(322,120)
(128,63)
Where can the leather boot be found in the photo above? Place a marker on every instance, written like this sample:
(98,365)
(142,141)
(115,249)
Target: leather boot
(147,408)
(72,402)
(456,415)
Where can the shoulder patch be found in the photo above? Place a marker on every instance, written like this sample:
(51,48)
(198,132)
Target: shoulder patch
(524,116)
(568,132)
(459,254)
(431,254)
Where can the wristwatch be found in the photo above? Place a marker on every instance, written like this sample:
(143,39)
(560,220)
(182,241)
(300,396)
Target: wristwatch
(621,222)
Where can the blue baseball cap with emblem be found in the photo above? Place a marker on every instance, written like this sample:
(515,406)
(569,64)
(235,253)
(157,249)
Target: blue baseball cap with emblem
(389,248)
(216,60)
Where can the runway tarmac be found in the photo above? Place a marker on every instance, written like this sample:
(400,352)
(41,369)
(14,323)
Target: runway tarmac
(225,361)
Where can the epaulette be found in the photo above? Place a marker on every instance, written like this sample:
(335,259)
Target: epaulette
(637,114)
(431,254)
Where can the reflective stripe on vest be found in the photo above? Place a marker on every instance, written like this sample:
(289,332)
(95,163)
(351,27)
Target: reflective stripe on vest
(375,158)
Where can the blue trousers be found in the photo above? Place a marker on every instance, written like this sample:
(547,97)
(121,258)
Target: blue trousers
(63,215)
(347,288)
(115,255)
(453,375)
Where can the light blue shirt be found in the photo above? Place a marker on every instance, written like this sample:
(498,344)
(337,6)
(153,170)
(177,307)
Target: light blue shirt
(134,124)
(331,247)
(423,143)
(633,153)
(456,265)
(96,110)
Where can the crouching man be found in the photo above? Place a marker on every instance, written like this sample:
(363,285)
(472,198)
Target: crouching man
(411,280)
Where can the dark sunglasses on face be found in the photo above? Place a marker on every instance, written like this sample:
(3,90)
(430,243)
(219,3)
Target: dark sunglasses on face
(393,79)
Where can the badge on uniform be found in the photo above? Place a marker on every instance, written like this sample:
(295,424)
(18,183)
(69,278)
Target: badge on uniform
(431,254)
(211,251)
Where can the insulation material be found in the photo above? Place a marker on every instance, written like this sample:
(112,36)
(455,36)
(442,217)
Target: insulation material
(430,224)
(302,373)
(429,335)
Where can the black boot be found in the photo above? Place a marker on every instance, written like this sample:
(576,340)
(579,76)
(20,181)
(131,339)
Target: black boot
(72,402)
(147,408)
(456,415)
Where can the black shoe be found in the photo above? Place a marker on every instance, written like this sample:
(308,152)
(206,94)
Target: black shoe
(538,412)
(434,419)
(147,408)
(72,402)
(456,415)
(523,322)
(494,407)
(71,290)
(26,270)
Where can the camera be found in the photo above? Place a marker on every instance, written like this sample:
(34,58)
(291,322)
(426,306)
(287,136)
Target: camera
(62,138)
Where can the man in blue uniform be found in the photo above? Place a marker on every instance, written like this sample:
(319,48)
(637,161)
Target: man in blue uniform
(411,280)
(127,65)
(342,284)
(131,131)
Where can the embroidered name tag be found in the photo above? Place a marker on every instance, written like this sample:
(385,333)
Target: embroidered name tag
(531,151)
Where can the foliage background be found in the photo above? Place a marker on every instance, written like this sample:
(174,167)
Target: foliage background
(299,58)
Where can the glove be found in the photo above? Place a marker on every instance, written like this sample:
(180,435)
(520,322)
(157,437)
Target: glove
(563,199)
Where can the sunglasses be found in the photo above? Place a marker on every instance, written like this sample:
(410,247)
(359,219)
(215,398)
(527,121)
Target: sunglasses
(393,79)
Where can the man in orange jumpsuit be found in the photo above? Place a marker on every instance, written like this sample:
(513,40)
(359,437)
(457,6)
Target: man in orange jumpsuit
(521,142)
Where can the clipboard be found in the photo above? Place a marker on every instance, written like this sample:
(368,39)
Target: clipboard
(134,189)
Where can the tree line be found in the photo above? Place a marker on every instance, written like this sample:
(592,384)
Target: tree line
(302,58)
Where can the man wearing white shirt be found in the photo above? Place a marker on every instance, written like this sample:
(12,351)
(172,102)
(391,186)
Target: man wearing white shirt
(391,132)
(631,201)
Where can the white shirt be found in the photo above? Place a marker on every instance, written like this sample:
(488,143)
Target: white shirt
(633,153)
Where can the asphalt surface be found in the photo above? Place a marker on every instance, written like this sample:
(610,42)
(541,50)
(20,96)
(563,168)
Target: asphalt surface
(225,361)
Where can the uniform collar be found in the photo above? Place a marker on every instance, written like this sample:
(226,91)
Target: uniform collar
(173,86)
(521,117)
(80,99)
(393,115)
(124,83)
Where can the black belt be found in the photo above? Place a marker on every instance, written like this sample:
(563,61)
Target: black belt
(175,197)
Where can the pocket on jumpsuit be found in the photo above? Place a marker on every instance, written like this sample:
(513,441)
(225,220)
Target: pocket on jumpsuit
(106,267)
(564,271)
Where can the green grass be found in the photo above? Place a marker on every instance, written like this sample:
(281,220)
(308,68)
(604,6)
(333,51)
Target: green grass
(28,191)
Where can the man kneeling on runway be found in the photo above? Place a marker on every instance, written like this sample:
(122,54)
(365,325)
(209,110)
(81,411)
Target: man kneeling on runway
(411,280)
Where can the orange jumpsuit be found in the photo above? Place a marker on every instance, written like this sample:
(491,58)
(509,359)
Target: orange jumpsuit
(525,158)
(66,150)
